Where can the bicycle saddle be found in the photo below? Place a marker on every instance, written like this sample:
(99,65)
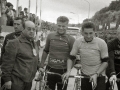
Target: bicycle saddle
(77,66)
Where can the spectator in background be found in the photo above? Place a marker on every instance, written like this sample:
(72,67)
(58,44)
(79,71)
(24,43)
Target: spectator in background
(14,11)
(30,17)
(19,10)
(25,18)
(37,20)
(33,17)
(18,26)
(21,15)
(10,14)
(3,18)
(26,13)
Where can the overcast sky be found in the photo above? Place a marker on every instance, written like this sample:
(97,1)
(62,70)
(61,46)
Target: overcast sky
(51,9)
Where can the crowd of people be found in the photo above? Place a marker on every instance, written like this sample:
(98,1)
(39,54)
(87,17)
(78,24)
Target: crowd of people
(8,14)
(20,58)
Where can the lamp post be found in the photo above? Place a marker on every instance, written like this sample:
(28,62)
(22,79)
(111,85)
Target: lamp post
(40,12)
(17,4)
(88,8)
(29,6)
(36,7)
(77,15)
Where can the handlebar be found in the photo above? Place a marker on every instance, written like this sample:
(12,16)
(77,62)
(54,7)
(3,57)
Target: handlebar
(52,73)
(78,76)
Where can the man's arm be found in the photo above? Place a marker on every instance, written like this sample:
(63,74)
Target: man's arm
(111,67)
(45,51)
(70,61)
(102,67)
(8,60)
(43,59)
(104,57)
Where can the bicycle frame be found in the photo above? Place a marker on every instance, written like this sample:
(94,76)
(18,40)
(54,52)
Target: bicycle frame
(44,80)
(78,77)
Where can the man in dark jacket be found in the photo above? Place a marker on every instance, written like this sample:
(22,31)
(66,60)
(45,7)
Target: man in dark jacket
(20,60)
(114,62)
(18,27)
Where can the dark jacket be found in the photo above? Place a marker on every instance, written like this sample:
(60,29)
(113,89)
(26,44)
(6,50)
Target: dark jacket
(19,59)
(8,37)
(114,54)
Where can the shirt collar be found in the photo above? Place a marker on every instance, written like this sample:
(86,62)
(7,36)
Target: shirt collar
(93,41)
(59,34)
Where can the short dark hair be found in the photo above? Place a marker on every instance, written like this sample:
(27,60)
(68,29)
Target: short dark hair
(62,19)
(21,12)
(23,23)
(88,25)
(25,9)
(9,4)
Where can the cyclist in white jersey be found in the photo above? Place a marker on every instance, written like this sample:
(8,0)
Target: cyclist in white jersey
(93,56)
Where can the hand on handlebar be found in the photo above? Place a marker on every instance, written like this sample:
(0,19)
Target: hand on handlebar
(65,76)
(93,80)
(113,77)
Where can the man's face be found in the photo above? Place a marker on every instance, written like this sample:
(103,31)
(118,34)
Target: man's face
(18,25)
(62,27)
(21,15)
(88,34)
(26,11)
(30,31)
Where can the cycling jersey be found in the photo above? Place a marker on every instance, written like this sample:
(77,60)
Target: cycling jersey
(59,47)
(91,54)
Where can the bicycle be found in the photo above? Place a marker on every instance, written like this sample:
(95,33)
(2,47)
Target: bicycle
(43,80)
(78,77)
(113,83)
